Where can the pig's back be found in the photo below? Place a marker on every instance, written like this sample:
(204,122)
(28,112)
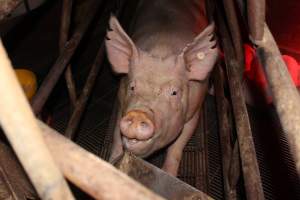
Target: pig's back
(164,27)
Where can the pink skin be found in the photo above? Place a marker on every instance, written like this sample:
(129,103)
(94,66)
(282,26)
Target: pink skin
(161,95)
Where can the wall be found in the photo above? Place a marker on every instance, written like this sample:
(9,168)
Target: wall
(283,18)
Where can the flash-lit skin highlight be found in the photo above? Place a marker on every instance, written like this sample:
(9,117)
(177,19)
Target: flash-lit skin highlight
(166,81)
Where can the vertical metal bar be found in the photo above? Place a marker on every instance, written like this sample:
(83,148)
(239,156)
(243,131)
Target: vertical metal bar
(64,36)
(234,170)
(250,168)
(285,94)
(23,133)
(256,10)
(81,103)
(224,131)
(57,69)
(235,33)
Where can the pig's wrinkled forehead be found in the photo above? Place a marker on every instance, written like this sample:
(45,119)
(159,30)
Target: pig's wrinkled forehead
(146,64)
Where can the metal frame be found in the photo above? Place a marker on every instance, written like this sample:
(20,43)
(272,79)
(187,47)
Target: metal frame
(43,171)
(62,61)
(7,7)
(252,180)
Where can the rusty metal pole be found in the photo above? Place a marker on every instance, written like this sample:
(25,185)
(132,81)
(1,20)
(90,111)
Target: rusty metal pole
(285,94)
(23,133)
(87,89)
(224,131)
(256,10)
(57,69)
(93,175)
(8,6)
(81,103)
(252,180)
(64,36)
(235,32)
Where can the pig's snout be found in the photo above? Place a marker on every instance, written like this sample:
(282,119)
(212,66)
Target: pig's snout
(137,125)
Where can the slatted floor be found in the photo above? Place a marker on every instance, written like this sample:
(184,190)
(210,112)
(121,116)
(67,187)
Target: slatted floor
(201,164)
(199,168)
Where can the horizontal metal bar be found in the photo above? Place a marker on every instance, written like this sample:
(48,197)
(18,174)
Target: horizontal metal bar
(93,175)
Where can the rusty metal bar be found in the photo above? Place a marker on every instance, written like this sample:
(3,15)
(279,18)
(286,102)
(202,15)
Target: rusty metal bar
(252,180)
(23,133)
(256,10)
(158,180)
(234,170)
(235,33)
(92,174)
(285,94)
(81,103)
(224,131)
(8,6)
(64,36)
(71,85)
(57,69)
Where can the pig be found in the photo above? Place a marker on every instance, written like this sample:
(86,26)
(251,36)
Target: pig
(165,65)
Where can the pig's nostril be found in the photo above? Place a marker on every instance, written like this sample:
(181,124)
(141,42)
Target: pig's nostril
(137,125)
(146,129)
(144,125)
(125,124)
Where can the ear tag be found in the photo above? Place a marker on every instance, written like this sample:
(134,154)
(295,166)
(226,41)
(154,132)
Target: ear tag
(200,55)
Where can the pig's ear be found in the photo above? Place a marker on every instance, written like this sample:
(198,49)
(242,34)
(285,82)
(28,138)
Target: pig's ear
(201,55)
(120,48)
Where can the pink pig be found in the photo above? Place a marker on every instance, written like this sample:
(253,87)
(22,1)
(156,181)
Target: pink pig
(166,64)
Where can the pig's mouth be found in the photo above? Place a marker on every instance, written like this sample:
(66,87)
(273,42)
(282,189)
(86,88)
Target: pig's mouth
(138,147)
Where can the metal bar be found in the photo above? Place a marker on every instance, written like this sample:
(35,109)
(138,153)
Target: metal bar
(158,180)
(64,36)
(71,85)
(7,7)
(81,103)
(24,135)
(252,180)
(285,94)
(256,10)
(250,168)
(234,170)
(57,69)
(92,174)
(224,131)
(235,33)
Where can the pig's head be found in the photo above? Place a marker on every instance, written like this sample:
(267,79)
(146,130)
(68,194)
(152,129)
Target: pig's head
(155,96)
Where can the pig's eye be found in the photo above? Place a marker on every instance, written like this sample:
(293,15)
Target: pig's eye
(174,93)
(132,88)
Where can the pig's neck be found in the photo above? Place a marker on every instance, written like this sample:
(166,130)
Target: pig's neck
(164,27)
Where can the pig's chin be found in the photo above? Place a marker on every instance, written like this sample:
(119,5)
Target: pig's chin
(140,148)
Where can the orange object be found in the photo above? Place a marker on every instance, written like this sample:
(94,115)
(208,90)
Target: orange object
(28,82)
